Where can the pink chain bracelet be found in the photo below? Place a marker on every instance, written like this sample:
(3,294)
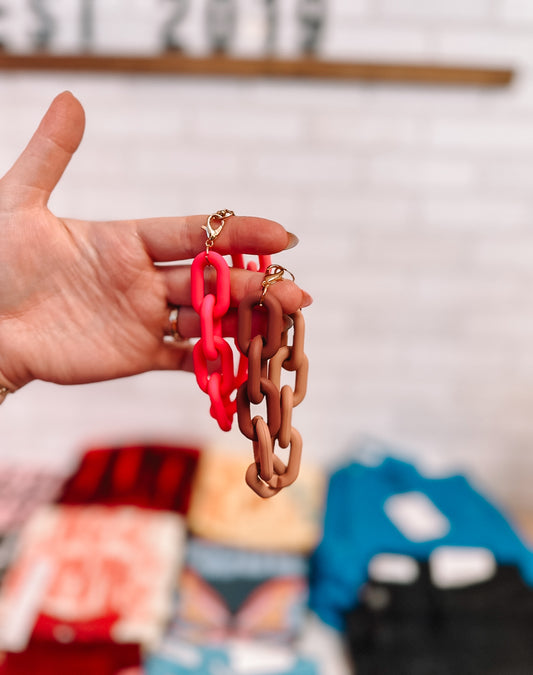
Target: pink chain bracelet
(223,382)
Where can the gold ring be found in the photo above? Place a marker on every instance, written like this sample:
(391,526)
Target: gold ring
(273,273)
(172,333)
(4,391)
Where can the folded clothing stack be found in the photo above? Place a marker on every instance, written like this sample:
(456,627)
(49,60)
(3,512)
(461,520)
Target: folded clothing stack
(22,491)
(459,571)
(90,587)
(418,627)
(223,509)
(226,593)
(242,597)
(146,476)
(158,558)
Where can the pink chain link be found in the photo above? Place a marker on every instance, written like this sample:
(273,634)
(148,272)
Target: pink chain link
(212,354)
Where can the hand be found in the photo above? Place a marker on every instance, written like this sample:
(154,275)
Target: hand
(84,301)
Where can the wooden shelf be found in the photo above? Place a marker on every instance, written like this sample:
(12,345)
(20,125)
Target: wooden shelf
(226,66)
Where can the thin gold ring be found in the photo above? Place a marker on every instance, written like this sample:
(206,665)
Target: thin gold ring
(273,274)
(4,391)
(172,333)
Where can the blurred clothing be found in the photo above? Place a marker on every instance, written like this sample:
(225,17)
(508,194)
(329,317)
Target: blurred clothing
(223,509)
(359,525)
(225,593)
(148,476)
(419,628)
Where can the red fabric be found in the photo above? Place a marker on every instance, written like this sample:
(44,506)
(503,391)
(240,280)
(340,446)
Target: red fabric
(148,476)
(90,658)
(85,653)
(95,630)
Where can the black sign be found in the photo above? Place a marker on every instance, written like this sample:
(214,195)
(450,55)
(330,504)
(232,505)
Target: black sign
(220,24)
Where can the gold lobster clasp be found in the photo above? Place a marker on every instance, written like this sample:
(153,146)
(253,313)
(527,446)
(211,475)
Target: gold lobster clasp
(273,273)
(212,231)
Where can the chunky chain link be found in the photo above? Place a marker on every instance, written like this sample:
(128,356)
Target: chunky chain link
(212,355)
(262,357)
(269,474)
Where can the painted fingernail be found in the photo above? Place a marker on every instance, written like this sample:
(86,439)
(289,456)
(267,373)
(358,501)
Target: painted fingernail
(293,241)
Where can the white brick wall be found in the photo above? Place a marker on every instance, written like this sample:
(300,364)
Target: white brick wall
(414,209)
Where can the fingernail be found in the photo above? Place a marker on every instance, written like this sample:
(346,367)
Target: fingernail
(293,241)
(307,299)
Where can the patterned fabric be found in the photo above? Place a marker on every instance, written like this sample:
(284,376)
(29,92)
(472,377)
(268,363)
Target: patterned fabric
(22,491)
(226,593)
(148,476)
(254,658)
(7,552)
(106,573)
(224,510)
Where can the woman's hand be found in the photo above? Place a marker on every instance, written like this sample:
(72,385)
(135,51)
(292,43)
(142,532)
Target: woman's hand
(83,301)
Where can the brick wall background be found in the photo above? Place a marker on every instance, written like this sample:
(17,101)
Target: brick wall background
(413,204)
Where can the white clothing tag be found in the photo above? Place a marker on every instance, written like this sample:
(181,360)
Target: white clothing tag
(254,658)
(456,566)
(393,568)
(17,624)
(416,516)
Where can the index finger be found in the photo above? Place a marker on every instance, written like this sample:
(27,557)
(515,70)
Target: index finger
(167,239)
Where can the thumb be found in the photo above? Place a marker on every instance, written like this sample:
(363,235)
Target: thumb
(41,164)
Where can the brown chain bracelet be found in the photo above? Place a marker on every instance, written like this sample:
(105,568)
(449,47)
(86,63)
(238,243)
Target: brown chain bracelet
(267,357)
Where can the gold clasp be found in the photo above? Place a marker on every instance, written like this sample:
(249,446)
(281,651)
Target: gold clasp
(213,232)
(273,273)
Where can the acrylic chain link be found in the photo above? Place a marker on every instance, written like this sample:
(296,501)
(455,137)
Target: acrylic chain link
(263,354)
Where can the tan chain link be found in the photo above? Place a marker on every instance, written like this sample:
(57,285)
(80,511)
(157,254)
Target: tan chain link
(278,361)
(257,368)
(268,474)
(290,473)
(297,350)
(263,455)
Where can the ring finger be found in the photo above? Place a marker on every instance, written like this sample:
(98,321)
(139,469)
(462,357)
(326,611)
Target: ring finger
(242,283)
